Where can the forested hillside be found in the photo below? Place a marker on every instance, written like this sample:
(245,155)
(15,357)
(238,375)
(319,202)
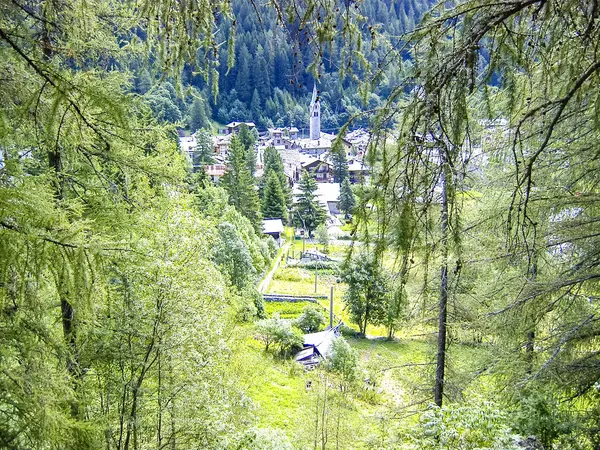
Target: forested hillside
(269,82)
(444,297)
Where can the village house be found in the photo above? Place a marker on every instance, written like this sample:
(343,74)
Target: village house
(357,172)
(320,170)
(234,127)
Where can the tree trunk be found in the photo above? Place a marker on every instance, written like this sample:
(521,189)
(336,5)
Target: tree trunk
(530,334)
(443,307)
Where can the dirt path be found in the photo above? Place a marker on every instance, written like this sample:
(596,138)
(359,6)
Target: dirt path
(264,284)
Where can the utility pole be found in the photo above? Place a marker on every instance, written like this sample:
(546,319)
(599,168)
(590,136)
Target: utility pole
(331,308)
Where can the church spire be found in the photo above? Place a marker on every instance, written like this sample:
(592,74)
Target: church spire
(315,115)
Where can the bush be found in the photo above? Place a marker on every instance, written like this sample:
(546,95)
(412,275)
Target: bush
(343,360)
(279,332)
(265,439)
(310,320)
(482,425)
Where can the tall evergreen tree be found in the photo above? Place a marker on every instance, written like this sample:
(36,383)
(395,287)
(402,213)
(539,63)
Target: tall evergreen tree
(347,199)
(248,139)
(198,118)
(308,213)
(339,163)
(273,203)
(203,152)
(255,107)
(272,161)
(239,184)
(242,82)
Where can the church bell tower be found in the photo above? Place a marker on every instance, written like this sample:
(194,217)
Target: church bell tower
(315,115)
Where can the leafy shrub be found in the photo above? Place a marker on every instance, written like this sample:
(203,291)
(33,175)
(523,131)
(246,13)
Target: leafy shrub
(343,360)
(539,415)
(279,332)
(480,426)
(310,320)
(333,265)
(265,439)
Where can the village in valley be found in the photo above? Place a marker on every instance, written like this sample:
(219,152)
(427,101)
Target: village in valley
(306,149)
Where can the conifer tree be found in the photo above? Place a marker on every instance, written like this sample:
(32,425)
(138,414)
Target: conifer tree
(248,139)
(239,184)
(339,163)
(272,161)
(198,118)
(255,107)
(308,213)
(273,205)
(347,200)
(203,153)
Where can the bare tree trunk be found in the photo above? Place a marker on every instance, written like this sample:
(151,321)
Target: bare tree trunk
(443,306)
(530,335)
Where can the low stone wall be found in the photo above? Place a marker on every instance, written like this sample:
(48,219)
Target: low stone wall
(293,298)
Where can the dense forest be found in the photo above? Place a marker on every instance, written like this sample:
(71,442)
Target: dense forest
(141,305)
(269,83)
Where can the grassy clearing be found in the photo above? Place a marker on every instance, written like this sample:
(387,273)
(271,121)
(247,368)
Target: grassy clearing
(287,310)
(282,399)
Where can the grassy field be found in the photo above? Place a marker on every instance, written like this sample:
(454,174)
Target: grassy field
(287,397)
(400,372)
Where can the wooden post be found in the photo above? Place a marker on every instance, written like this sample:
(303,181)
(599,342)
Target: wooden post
(331,308)
(316,277)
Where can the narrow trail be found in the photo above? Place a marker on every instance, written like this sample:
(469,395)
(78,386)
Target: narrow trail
(264,284)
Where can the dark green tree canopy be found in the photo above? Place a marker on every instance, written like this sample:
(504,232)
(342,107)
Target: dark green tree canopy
(368,292)
(239,184)
(347,199)
(204,152)
(273,203)
(308,213)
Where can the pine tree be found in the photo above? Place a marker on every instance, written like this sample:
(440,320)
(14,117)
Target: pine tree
(242,82)
(255,107)
(248,139)
(273,204)
(240,184)
(347,199)
(272,161)
(203,153)
(198,118)
(260,74)
(308,213)
(339,163)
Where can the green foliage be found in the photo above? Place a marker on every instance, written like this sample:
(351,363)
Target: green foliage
(198,117)
(273,203)
(540,415)
(339,163)
(248,140)
(279,332)
(322,235)
(203,153)
(347,199)
(481,426)
(233,256)
(343,360)
(239,184)
(272,162)
(308,214)
(367,295)
(311,319)
(265,439)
